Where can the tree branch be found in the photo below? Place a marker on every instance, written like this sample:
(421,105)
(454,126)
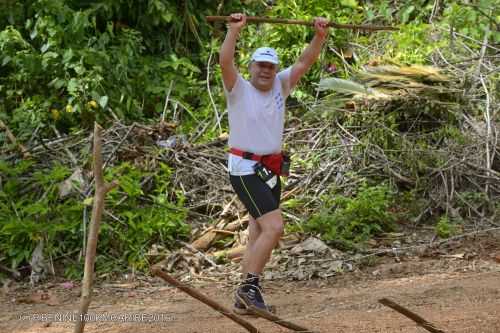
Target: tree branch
(98,207)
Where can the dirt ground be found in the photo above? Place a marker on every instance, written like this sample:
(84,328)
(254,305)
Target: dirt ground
(457,290)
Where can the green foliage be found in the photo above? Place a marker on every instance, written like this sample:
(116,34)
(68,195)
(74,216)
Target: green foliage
(37,212)
(146,217)
(70,63)
(30,210)
(412,44)
(348,222)
(445,228)
(473,19)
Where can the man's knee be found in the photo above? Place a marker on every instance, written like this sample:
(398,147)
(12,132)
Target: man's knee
(272,223)
(278,228)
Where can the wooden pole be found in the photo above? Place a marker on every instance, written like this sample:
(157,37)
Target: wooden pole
(101,188)
(413,316)
(13,139)
(155,270)
(256,19)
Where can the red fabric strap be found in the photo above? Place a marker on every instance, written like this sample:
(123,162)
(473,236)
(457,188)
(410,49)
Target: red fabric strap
(245,154)
(273,162)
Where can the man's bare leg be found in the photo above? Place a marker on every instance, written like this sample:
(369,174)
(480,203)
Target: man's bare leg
(265,235)
(271,228)
(254,232)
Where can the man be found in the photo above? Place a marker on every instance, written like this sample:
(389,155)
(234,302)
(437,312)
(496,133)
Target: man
(256,119)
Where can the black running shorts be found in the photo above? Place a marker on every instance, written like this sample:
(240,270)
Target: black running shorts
(256,195)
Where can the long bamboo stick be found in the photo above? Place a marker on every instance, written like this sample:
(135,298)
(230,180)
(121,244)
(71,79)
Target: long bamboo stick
(256,19)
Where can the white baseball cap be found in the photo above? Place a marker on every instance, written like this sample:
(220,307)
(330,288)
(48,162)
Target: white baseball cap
(267,54)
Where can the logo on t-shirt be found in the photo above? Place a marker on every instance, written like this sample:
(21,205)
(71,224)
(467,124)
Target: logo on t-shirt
(278,99)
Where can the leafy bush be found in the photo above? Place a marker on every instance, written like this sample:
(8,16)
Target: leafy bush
(69,63)
(446,228)
(348,222)
(147,217)
(31,209)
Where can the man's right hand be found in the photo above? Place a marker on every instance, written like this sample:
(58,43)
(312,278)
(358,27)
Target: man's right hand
(238,21)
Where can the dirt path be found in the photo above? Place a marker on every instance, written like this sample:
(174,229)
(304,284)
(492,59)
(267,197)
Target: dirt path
(454,293)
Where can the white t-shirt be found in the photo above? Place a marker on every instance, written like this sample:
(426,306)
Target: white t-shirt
(256,120)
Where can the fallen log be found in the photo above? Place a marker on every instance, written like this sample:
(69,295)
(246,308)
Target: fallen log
(155,270)
(277,320)
(232,253)
(212,235)
(413,316)
(203,242)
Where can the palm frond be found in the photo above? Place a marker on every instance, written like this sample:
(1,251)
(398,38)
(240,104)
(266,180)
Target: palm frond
(343,86)
(415,72)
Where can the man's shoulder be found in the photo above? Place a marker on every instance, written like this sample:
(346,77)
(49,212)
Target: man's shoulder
(244,83)
(283,76)
(285,73)
(240,86)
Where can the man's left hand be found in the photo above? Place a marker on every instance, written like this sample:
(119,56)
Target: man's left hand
(321,27)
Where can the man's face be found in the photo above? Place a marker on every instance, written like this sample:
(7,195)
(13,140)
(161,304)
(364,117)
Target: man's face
(262,74)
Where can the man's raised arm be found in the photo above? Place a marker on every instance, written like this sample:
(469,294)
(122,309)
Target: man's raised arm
(226,57)
(311,53)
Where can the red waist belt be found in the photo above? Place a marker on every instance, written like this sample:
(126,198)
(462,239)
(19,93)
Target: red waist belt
(272,161)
